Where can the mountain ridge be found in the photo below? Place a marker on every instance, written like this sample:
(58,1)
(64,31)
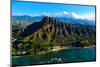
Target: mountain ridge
(30,19)
(49,33)
(49,23)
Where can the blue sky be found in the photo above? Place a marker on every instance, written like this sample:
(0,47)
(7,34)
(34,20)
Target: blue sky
(31,8)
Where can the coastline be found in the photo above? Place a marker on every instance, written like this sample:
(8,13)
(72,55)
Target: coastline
(56,50)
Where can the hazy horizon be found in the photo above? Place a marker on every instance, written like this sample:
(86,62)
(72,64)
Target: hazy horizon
(50,9)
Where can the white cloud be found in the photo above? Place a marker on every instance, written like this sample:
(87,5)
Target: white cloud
(47,14)
(58,14)
(88,16)
(67,14)
(77,16)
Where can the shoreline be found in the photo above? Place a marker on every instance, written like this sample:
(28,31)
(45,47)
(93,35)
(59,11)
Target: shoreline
(64,48)
(56,50)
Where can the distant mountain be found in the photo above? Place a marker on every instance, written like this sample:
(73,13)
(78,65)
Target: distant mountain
(49,25)
(76,21)
(71,20)
(50,31)
(26,19)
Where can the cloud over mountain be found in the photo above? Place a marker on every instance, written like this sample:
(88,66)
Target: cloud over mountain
(71,15)
(88,17)
(58,14)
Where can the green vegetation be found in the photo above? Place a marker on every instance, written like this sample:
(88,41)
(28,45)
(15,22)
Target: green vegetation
(50,36)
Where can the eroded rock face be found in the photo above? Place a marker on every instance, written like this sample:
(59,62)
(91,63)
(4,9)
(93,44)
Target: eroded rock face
(53,30)
(51,26)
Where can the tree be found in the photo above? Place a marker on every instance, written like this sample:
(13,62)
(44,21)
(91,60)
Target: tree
(35,45)
(21,48)
(26,39)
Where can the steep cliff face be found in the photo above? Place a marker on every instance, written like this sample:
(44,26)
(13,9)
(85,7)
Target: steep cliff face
(50,31)
(52,26)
